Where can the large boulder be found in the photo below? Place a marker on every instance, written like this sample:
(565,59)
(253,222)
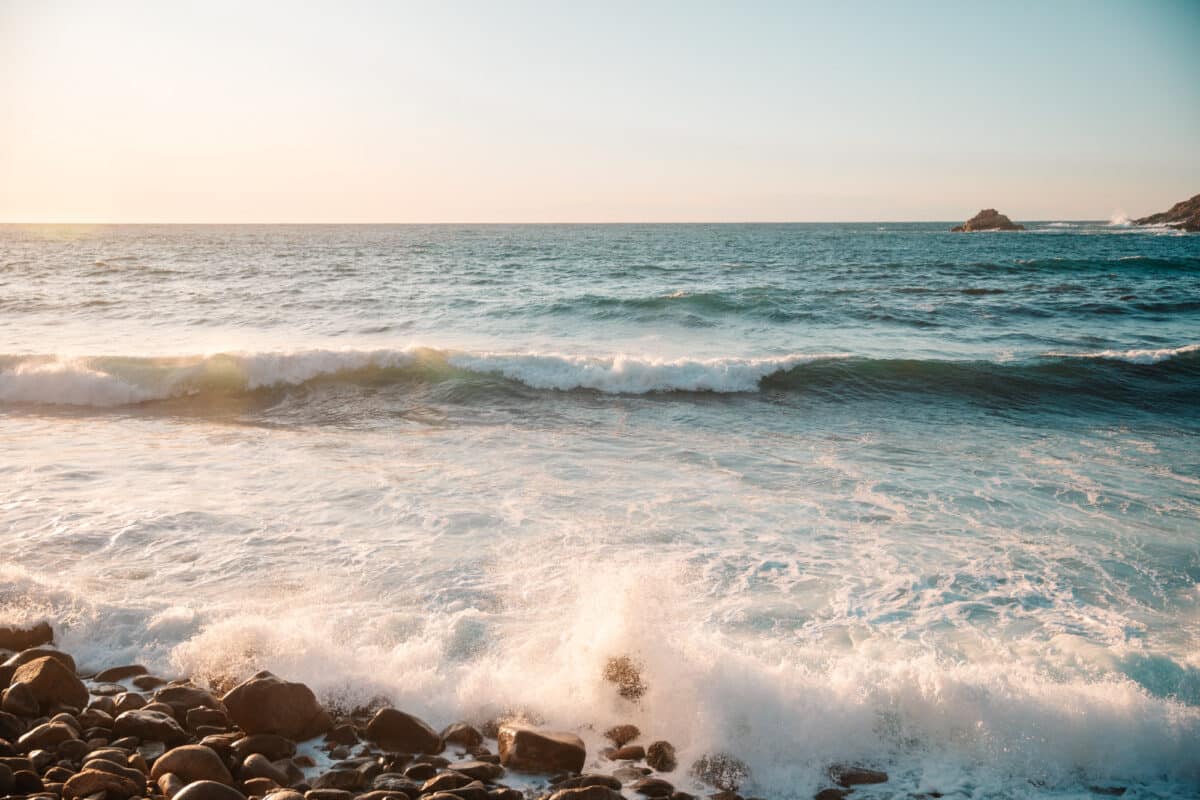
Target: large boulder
(527,749)
(1184,215)
(192,762)
(23,638)
(399,732)
(989,219)
(267,704)
(52,683)
(153,726)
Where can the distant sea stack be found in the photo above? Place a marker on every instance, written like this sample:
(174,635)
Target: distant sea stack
(987,220)
(1184,215)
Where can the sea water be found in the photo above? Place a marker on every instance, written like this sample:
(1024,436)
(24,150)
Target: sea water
(871,493)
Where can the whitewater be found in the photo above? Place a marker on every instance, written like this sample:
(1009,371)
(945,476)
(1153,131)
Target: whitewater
(874,493)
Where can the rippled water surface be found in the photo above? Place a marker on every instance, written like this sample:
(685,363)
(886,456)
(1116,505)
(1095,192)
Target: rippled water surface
(872,492)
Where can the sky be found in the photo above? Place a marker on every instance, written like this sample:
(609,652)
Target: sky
(516,111)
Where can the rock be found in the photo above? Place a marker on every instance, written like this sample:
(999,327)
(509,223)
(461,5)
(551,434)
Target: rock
(528,750)
(397,783)
(631,752)
(16,638)
(208,790)
(653,787)
(627,675)
(1184,215)
(203,716)
(183,699)
(593,792)
(849,775)
(119,769)
(148,682)
(108,753)
(150,725)
(480,770)
(114,674)
(46,736)
(34,653)
(350,780)
(660,755)
(475,790)
(628,774)
(622,735)
(445,782)
(52,683)
(327,794)
(94,718)
(6,779)
(271,745)
(721,770)
(831,794)
(284,794)
(342,734)
(989,219)
(192,762)
(505,793)
(170,785)
(91,781)
(267,704)
(257,787)
(257,765)
(127,701)
(395,730)
(18,699)
(420,772)
(462,734)
(590,779)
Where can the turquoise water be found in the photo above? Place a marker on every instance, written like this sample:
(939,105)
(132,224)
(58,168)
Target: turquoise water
(872,492)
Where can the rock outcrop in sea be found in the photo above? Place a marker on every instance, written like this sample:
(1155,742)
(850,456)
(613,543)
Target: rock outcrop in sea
(989,219)
(1184,215)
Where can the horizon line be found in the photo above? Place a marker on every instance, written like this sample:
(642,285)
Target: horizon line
(559,222)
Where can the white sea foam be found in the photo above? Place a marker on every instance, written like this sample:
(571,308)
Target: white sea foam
(1136,356)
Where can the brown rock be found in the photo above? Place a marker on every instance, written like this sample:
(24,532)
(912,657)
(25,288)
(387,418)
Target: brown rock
(92,781)
(628,774)
(592,792)
(630,752)
(208,790)
(257,787)
(114,674)
(284,794)
(529,750)
(850,775)
(342,734)
(150,725)
(590,779)
(52,683)
(462,734)
(420,772)
(1184,215)
(192,762)
(831,794)
(46,736)
(128,701)
(271,745)
(18,699)
(480,770)
(660,755)
(267,704)
(23,638)
(94,718)
(34,653)
(257,765)
(328,794)
(627,675)
(349,780)
(653,787)
(183,699)
(622,735)
(170,785)
(148,682)
(445,782)
(395,730)
(721,770)
(989,219)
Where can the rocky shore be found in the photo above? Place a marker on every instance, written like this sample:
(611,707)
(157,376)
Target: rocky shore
(989,219)
(1184,215)
(122,733)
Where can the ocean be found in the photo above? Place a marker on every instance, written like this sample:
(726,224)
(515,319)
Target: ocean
(871,493)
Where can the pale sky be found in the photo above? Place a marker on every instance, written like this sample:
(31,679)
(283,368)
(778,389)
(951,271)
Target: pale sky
(173,111)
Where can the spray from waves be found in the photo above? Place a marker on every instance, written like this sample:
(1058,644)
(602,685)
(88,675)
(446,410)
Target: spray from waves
(936,725)
(1137,356)
(1119,219)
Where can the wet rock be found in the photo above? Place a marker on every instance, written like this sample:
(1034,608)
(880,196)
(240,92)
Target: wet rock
(349,779)
(106,689)
(653,787)
(850,775)
(989,219)
(627,675)
(1111,791)
(114,674)
(110,753)
(25,637)
(257,765)
(630,752)
(621,735)
(183,699)
(660,755)
(530,750)
(26,782)
(192,762)
(202,716)
(462,734)
(590,779)
(1184,215)
(395,782)
(420,772)
(395,730)
(271,745)
(46,736)
(831,794)
(52,683)
(11,727)
(594,792)
(475,790)
(208,790)
(34,653)
(342,734)
(73,749)
(150,726)
(267,704)
(94,718)
(284,794)
(504,793)
(327,794)
(57,774)
(18,699)
(170,785)
(382,795)
(480,770)
(628,774)
(257,787)
(148,682)
(721,770)
(91,781)
(6,779)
